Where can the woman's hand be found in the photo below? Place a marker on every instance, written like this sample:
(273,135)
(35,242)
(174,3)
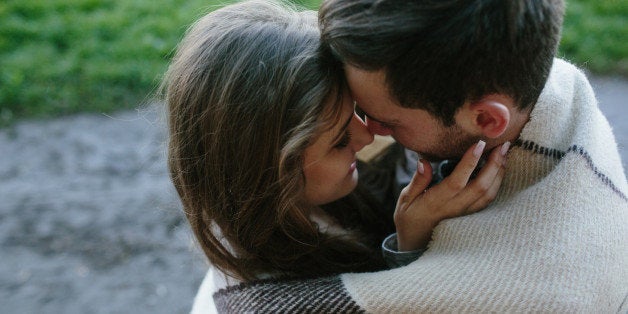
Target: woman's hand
(419,210)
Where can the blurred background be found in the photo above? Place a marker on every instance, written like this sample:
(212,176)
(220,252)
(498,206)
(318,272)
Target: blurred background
(88,219)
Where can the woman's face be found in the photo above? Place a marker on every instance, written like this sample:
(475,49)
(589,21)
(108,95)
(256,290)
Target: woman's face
(330,162)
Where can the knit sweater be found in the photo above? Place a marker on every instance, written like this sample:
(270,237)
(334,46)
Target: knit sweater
(554,240)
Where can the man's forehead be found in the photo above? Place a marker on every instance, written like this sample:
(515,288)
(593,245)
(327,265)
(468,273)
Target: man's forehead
(368,85)
(372,79)
(369,90)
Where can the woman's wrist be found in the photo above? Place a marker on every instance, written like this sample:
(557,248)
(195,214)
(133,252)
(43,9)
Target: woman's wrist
(395,257)
(415,236)
(413,242)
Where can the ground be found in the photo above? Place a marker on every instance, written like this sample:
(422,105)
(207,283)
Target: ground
(89,222)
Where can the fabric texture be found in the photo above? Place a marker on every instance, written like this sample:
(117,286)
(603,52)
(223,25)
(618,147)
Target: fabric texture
(554,240)
(323,295)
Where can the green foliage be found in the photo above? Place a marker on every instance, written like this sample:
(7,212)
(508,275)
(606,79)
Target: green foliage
(595,35)
(67,56)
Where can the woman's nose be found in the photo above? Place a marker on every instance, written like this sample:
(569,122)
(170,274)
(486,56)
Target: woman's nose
(361,134)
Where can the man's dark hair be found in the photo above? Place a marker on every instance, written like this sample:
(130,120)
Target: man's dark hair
(439,54)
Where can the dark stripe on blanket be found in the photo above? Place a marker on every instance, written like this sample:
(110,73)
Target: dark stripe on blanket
(321,295)
(535,148)
(557,154)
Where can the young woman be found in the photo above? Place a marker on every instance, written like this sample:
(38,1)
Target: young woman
(262,151)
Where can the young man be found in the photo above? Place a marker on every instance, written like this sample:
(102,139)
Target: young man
(438,76)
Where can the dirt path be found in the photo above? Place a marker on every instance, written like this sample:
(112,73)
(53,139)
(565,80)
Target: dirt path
(90,224)
(88,220)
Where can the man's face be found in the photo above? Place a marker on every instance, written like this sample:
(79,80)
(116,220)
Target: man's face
(415,129)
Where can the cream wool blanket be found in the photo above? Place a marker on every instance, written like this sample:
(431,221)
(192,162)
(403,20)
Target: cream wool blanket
(555,239)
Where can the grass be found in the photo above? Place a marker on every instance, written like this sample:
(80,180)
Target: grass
(595,35)
(66,56)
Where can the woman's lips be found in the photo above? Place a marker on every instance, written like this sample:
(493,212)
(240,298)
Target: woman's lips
(352,167)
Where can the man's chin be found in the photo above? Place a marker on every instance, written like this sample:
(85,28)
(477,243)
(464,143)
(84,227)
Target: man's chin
(438,157)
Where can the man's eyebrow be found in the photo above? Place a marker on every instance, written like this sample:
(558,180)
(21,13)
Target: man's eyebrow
(391,122)
(342,130)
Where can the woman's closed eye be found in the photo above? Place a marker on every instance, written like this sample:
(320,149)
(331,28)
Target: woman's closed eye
(344,140)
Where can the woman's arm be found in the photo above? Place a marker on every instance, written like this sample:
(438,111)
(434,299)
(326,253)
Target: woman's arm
(457,195)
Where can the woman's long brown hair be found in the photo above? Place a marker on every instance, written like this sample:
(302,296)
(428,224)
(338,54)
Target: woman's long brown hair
(247,91)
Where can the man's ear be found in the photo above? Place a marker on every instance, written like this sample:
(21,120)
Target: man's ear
(487,117)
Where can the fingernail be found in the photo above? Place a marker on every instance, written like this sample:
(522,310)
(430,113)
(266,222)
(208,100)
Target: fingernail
(479,148)
(504,149)
(420,168)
